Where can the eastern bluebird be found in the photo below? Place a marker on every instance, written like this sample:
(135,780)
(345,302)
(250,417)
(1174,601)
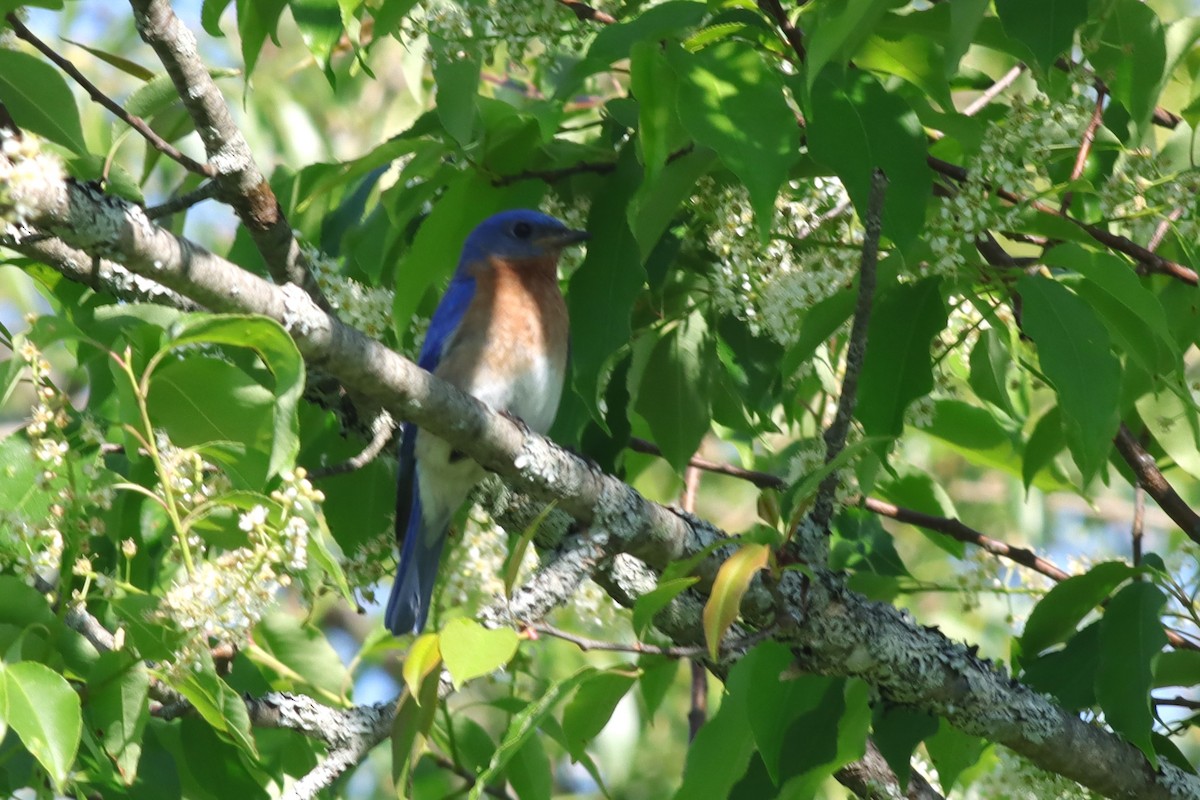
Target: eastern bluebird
(500,334)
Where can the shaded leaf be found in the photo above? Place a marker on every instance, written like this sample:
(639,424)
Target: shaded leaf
(1131,635)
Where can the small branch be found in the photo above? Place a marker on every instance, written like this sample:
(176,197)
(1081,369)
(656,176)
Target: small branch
(992,92)
(1085,147)
(1160,232)
(591,167)
(699,700)
(586,13)
(1139,523)
(204,191)
(775,10)
(1121,244)
(383,427)
(835,434)
(957,530)
(137,123)
(468,776)
(1161,116)
(870,778)
(1150,478)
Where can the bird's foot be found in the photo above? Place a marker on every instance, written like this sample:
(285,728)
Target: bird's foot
(514,419)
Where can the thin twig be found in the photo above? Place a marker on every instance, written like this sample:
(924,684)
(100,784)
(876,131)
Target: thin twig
(468,776)
(1150,478)
(992,92)
(383,427)
(790,32)
(137,123)
(835,434)
(698,712)
(1121,244)
(579,168)
(1160,232)
(1085,147)
(1139,522)
(205,191)
(586,13)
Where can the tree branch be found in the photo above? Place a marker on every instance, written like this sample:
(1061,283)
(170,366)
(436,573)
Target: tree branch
(137,123)
(585,13)
(856,351)
(1150,478)
(238,178)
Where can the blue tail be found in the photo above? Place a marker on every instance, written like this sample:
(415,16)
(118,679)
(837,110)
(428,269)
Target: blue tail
(408,605)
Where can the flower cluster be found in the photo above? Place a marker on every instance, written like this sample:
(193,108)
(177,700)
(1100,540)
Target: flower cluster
(368,308)
(1143,191)
(1013,155)
(573,215)
(36,547)
(26,173)
(461,25)
(478,572)
(770,285)
(225,594)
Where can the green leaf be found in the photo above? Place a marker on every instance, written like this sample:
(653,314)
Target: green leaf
(423,657)
(658,200)
(219,704)
(603,289)
(1044,443)
(1068,674)
(897,368)
(674,397)
(213,766)
(44,711)
(838,31)
(202,400)
(275,347)
(1073,349)
(1131,636)
(646,607)
(457,79)
(524,725)
(910,55)
(1055,616)
(615,42)
(1177,668)
(118,709)
(306,654)
(657,678)
(1130,310)
(722,748)
(320,24)
(989,362)
(855,126)
(1046,27)
(39,100)
(529,771)
(897,731)
(915,489)
(257,19)
(1172,421)
(470,650)
(589,710)
(210,16)
(656,87)
(1131,27)
(965,16)
(728,83)
(953,752)
(730,585)
(414,719)
(120,62)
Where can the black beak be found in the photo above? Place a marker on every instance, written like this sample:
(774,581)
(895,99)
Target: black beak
(564,238)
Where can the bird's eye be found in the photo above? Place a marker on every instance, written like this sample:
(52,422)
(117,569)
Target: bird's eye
(522,230)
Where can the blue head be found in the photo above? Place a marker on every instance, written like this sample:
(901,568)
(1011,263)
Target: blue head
(518,235)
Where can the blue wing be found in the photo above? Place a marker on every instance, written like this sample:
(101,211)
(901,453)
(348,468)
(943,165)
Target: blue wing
(446,319)
(408,605)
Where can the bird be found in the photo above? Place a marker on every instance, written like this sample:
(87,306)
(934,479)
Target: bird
(500,333)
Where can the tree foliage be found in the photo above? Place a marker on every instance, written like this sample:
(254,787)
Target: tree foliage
(197,493)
